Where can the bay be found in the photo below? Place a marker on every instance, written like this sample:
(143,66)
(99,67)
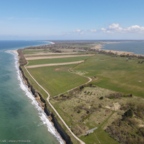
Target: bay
(135,46)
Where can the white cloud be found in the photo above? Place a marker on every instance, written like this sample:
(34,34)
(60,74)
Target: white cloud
(79,31)
(116,28)
(135,28)
(112,31)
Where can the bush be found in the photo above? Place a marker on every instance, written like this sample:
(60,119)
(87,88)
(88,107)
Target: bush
(128,113)
(101,98)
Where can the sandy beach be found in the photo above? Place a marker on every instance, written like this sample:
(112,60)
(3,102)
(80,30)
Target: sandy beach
(99,47)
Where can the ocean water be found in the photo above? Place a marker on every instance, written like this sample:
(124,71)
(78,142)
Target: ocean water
(136,47)
(21,119)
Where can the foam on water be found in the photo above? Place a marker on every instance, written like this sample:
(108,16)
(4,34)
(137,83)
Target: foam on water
(42,115)
(52,43)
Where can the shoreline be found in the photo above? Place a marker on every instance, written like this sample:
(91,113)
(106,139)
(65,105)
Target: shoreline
(46,117)
(99,48)
(48,108)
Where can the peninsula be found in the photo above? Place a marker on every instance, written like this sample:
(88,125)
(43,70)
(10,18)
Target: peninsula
(92,96)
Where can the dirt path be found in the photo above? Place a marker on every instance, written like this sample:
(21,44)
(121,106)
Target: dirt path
(54,57)
(89,80)
(55,64)
(81,142)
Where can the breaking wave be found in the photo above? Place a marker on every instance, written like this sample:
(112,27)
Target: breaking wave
(42,115)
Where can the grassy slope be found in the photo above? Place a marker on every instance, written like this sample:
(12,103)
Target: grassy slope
(34,84)
(58,60)
(115,73)
(56,79)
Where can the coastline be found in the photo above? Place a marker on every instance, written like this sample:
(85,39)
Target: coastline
(46,117)
(99,48)
(40,99)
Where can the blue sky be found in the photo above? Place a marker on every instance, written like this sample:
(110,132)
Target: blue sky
(71,19)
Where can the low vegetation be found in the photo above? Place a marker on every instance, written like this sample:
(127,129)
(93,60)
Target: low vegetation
(22,60)
(87,108)
(130,127)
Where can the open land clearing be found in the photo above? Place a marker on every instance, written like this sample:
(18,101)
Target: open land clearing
(94,111)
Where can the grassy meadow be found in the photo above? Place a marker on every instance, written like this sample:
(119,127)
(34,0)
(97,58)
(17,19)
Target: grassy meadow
(115,73)
(57,79)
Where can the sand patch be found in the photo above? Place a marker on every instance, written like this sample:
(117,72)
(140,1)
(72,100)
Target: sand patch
(55,64)
(114,107)
(119,52)
(97,47)
(57,69)
(54,57)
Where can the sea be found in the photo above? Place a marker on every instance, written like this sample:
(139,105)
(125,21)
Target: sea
(135,46)
(21,118)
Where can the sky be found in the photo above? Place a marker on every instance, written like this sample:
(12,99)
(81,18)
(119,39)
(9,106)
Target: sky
(71,19)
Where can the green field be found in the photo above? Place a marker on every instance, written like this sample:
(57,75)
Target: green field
(56,60)
(115,73)
(57,79)
(35,51)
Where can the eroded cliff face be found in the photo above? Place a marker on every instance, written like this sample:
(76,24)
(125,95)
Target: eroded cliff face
(42,103)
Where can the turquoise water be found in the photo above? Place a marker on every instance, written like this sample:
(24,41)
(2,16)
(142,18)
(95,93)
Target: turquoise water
(21,119)
(136,47)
